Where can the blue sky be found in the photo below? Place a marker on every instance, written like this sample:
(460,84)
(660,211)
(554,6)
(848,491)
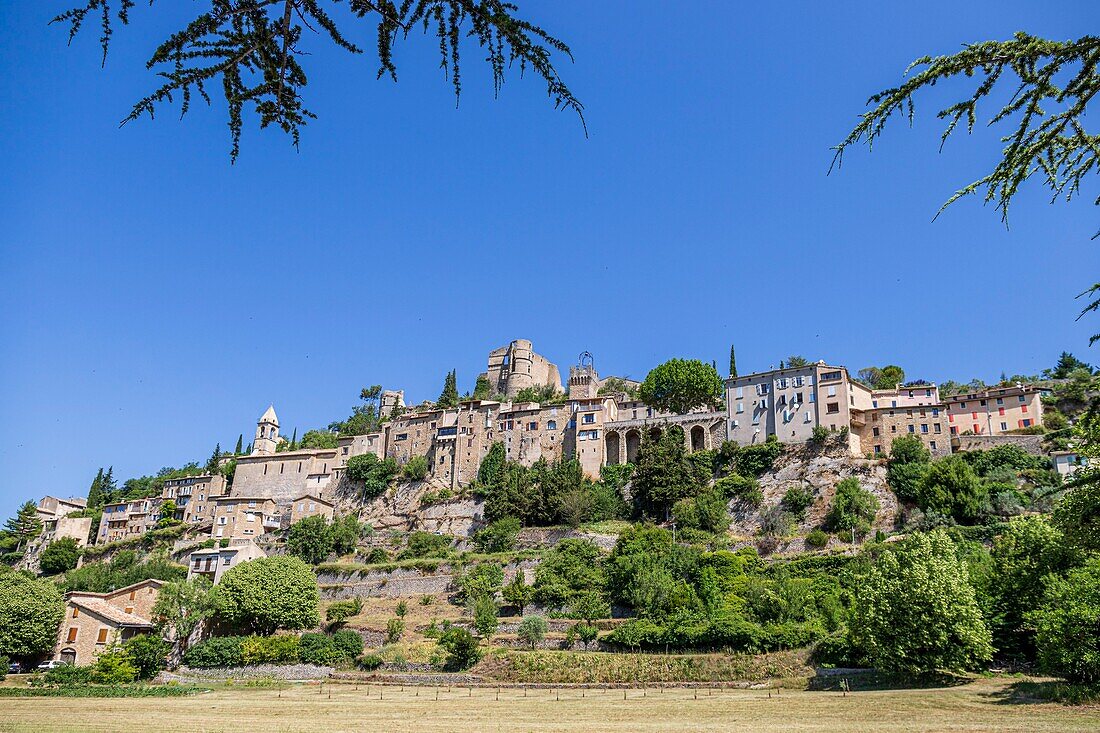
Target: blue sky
(155,298)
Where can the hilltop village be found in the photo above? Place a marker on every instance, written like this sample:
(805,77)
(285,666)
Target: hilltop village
(796,459)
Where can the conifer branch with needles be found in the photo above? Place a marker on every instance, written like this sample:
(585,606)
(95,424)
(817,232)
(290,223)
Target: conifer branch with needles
(253,48)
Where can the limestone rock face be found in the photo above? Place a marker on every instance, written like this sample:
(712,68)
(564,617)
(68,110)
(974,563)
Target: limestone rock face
(402,508)
(820,470)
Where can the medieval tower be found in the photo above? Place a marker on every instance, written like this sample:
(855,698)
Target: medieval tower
(267,433)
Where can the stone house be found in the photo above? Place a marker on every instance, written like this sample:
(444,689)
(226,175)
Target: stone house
(310,505)
(95,621)
(515,367)
(244,517)
(212,563)
(995,411)
(194,496)
(880,426)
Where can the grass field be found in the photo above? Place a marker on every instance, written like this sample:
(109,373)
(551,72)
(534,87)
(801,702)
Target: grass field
(983,705)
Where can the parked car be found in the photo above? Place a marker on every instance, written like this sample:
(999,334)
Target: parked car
(15,668)
(52,664)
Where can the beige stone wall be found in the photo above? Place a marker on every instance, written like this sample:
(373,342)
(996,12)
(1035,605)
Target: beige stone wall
(995,411)
(880,427)
(310,506)
(911,396)
(93,633)
(283,476)
(516,366)
(137,600)
(240,517)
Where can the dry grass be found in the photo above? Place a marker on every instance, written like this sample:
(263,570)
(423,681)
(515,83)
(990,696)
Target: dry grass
(983,705)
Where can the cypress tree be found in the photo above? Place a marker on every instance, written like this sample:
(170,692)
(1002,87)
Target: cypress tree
(95,492)
(294,439)
(240,441)
(109,486)
(248,450)
(212,464)
(733,362)
(449,396)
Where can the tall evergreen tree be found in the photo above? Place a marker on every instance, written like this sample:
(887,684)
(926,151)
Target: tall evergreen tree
(482,388)
(109,486)
(449,396)
(248,449)
(240,442)
(95,491)
(294,439)
(25,525)
(212,464)
(733,362)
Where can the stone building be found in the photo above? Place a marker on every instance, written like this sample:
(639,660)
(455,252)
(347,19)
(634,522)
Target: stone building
(789,403)
(995,411)
(211,563)
(244,517)
(516,366)
(281,476)
(94,622)
(311,505)
(194,496)
(878,428)
(907,395)
(124,519)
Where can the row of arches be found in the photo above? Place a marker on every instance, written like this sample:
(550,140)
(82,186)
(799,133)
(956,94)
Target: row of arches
(695,439)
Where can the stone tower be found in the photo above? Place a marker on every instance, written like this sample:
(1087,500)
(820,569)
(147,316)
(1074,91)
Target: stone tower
(516,366)
(583,380)
(267,433)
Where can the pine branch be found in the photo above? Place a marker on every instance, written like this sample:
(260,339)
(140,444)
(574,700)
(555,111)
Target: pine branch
(253,48)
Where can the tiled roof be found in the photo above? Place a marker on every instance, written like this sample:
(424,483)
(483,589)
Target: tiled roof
(112,613)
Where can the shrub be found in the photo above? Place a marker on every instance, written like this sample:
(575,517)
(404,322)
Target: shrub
(340,611)
(279,649)
(797,500)
(4,662)
(148,653)
(268,594)
(518,593)
(348,644)
(461,649)
(485,616)
(756,460)
(310,539)
(817,539)
(951,487)
(837,650)
(1066,625)
(376,556)
(742,488)
(853,508)
(68,675)
(484,579)
(499,536)
(370,662)
(217,651)
(59,556)
(775,521)
(426,544)
(587,633)
(30,612)
(372,473)
(532,630)
(395,627)
(416,468)
(113,667)
(705,511)
(316,649)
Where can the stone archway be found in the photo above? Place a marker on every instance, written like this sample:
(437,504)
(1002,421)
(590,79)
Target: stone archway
(68,656)
(611,448)
(633,445)
(698,438)
(654,433)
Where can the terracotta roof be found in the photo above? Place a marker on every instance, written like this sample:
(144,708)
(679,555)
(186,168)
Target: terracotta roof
(102,608)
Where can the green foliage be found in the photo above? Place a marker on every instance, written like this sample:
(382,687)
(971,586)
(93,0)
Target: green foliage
(1078,514)
(461,649)
(123,569)
(316,439)
(1066,625)
(681,385)
(30,612)
(887,377)
(614,385)
(571,567)
(745,489)
(706,511)
(346,532)
(532,630)
(484,579)
(485,616)
(951,487)
(182,605)
(340,611)
(217,651)
(425,544)
(370,662)
(546,394)
(662,475)
(373,474)
(498,536)
(449,396)
(758,459)
(589,605)
(25,525)
(776,521)
(365,418)
(483,390)
(310,539)
(59,556)
(797,500)
(277,649)
(416,468)
(318,649)
(915,611)
(348,644)
(113,667)
(518,593)
(268,594)
(817,539)
(819,434)
(853,508)
(148,654)
(255,58)
(1028,551)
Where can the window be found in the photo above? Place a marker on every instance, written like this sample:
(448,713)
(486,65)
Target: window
(1004,426)
(893,403)
(76,612)
(1000,400)
(912,429)
(874,432)
(1023,409)
(954,430)
(402,436)
(129,609)
(532,426)
(1025,423)
(830,375)
(935,412)
(982,403)
(893,428)
(1023,399)
(72,635)
(874,403)
(962,405)
(1000,410)
(589,418)
(924,427)
(937,428)
(740,392)
(798,397)
(133,594)
(832,408)
(807,417)
(878,449)
(932,444)
(740,407)
(832,391)
(552,425)
(973,416)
